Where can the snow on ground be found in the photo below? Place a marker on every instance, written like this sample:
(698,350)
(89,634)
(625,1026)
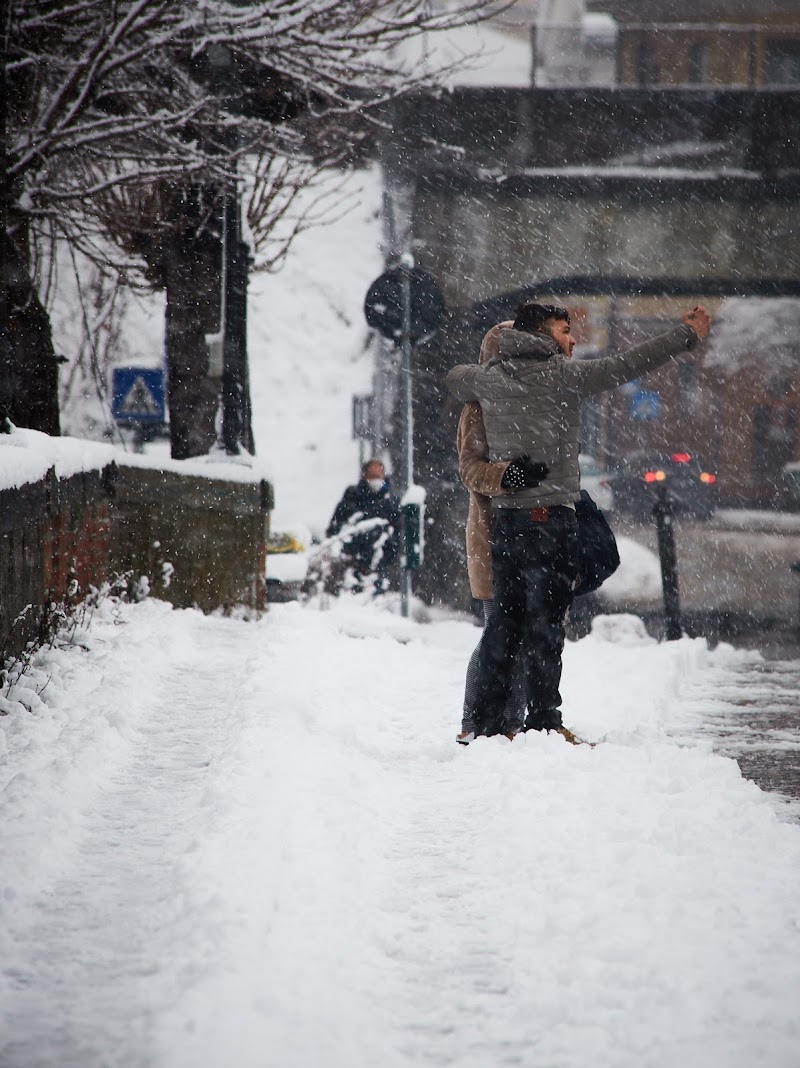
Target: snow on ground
(750,520)
(257,844)
(637,580)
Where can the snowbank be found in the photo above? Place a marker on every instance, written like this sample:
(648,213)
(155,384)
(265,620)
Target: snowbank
(27,456)
(309,355)
(637,580)
(755,331)
(228,843)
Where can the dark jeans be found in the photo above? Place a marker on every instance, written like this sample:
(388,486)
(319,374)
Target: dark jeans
(515,709)
(534,572)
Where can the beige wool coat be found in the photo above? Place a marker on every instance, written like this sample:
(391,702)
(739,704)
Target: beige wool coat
(482,478)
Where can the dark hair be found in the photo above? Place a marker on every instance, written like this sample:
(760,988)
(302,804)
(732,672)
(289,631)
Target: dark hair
(531,316)
(368,463)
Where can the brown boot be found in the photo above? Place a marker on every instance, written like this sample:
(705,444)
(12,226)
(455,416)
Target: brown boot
(573,739)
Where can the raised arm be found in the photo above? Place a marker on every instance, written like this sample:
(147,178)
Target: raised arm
(594,376)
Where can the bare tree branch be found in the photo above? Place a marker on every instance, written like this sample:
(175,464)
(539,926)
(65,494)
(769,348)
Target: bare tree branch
(109,95)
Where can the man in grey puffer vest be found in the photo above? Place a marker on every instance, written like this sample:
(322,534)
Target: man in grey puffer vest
(530,396)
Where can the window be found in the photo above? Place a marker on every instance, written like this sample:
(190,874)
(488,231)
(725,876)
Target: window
(646,69)
(697,72)
(782,63)
(774,438)
(690,395)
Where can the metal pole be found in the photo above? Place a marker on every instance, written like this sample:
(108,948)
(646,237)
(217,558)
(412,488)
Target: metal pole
(669,567)
(230,401)
(406,266)
(6,346)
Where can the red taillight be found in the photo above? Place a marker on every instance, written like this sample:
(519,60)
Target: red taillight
(681,457)
(706,476)
(654,476)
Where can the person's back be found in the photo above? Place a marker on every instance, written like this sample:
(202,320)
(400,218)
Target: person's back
(531,392)
(530,408)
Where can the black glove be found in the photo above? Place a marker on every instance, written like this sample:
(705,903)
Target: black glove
(524,473)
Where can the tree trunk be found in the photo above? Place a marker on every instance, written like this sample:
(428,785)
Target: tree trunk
(28,363)
(192,261)
(237,430)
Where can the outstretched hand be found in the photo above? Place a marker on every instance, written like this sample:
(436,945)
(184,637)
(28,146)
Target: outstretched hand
(524,473)
(699,320)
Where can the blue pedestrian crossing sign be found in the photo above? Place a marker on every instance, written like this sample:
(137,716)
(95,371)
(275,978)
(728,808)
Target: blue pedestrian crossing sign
(645,404)
(138,395)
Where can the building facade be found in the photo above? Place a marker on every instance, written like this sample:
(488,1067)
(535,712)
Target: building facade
(628,205)
(705,42)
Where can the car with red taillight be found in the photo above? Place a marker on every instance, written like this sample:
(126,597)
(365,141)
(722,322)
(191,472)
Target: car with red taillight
(689,481)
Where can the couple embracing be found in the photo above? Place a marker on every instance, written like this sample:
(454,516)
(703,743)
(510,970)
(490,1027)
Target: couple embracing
(518,443)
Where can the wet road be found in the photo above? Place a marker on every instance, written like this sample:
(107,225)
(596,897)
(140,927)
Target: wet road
(736,585)
(738,563)
(754,717)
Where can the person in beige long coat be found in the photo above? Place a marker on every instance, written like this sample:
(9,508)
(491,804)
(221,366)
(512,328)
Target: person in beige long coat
(483,479)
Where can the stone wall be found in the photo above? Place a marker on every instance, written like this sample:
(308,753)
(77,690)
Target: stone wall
(191,540)
(211,535)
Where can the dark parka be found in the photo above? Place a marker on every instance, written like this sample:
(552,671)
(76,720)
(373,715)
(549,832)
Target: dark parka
(360,502)
(530,396)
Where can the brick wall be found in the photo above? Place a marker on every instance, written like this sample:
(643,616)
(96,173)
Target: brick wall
(23,523)
(77,532)
(197,541)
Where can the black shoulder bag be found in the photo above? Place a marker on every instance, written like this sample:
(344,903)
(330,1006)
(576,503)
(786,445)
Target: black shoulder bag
(597,547)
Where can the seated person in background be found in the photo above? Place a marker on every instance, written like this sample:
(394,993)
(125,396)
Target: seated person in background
(367,523)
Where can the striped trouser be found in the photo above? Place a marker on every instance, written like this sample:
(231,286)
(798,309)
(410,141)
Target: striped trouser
(515,709)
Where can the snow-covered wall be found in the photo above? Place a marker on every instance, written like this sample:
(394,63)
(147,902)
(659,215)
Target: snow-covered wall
(27,455)
(75,514)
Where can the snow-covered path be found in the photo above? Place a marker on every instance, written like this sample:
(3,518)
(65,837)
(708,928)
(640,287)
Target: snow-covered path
(256,844)
(102,934)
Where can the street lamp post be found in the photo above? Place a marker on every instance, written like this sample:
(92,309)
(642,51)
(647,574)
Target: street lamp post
(669,564)
(405,304)
(406,266)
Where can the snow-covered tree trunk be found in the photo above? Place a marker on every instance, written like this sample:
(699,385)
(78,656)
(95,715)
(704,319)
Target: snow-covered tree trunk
(191,268)
(237,430)
(32,368)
